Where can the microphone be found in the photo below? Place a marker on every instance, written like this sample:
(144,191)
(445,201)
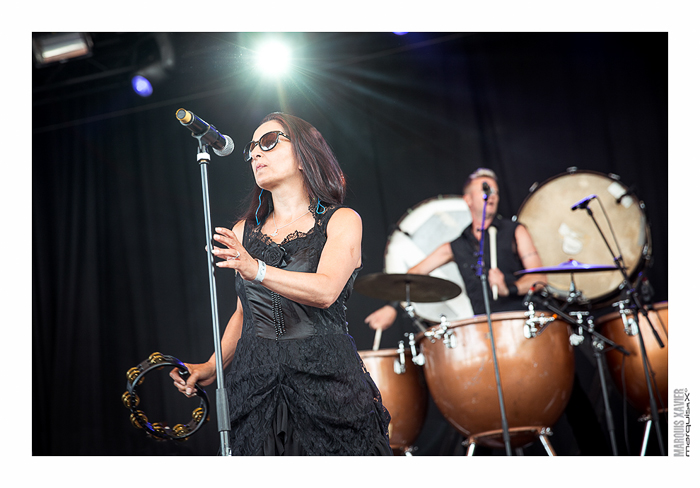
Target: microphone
(584,203)
(486,188)
(221,144)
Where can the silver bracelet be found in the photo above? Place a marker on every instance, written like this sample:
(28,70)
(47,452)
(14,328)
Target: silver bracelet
(262,267)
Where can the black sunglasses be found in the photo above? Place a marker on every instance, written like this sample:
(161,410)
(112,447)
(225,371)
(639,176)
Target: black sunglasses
(266,142)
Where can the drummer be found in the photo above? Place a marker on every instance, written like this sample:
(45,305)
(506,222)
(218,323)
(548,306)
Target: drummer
(515,251)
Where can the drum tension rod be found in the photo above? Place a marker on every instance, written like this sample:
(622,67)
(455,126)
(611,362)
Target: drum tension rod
(418,359)
(443,333)
(530,329)
(400,363)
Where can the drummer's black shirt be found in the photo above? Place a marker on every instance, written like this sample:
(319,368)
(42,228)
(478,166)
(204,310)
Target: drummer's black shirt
(465,250)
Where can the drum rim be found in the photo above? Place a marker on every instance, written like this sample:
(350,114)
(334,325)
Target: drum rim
(575,171)
(408,212)
(379,353)
(662,305)
(495,316)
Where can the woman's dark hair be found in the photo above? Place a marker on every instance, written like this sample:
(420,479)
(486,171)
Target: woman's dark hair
(323,178)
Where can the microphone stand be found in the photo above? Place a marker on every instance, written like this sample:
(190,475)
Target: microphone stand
(645,361)
(485,289)
(222,412)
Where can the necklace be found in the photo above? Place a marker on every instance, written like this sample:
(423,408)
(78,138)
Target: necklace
(285,225)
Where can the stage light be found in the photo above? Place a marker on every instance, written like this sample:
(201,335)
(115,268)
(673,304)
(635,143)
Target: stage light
(400,33)
(53,48)
(157,71)
(273,58)
(141,86)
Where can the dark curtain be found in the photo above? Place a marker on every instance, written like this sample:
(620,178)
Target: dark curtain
(118,262)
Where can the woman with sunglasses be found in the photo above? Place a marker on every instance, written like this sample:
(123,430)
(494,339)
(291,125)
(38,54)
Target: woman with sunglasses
(296,384)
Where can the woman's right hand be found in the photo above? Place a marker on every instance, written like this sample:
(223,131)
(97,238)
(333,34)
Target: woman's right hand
(382,318)
(203,373)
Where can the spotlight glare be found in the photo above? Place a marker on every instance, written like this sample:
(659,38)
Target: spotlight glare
(273,58)
(141,86)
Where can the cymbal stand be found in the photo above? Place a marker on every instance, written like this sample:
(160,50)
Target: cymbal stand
(634,294)
(576,320)
(410,309)
(487,304)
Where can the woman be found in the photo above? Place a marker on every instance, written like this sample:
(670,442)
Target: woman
(296,384)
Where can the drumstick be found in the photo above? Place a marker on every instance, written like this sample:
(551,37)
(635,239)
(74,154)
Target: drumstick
(377,339)
(494,259)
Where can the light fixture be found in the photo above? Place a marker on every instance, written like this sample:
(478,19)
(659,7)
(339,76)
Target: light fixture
(143,80)
(273,58)
(60,47)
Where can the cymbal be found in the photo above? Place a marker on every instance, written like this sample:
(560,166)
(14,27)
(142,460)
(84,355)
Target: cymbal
(423,288)
(570,266)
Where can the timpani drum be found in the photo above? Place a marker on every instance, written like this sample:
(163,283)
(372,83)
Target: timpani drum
(560,234)
(537,375)
(404,394)
(617,329)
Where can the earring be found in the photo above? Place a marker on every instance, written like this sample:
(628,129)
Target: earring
(259,203)
(319,207)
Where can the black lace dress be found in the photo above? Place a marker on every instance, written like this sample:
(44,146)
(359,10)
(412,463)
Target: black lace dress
(297,385)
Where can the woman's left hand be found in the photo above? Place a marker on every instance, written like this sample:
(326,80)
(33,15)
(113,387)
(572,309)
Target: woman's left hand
(234,256)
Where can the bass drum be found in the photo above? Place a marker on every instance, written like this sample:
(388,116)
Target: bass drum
(404,394)
(634,379)
(560,234)
(419,232)
(537,376)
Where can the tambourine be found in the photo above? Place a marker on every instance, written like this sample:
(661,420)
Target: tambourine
(160,430)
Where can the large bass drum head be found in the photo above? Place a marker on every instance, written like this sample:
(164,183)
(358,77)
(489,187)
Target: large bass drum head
(419,232)
(560,234)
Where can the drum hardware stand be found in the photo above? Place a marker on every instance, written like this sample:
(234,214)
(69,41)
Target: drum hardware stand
(631,329)
(410,450)
(222,413)
(542,433)
(576,320)
(634,294)
(647,429)
(487,304)
(410,309)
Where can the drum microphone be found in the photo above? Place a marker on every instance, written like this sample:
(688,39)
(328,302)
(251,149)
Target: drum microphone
(584,203)
(528,297)
(221,144)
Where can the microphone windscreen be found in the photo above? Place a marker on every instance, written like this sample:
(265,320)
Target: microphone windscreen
(227,149)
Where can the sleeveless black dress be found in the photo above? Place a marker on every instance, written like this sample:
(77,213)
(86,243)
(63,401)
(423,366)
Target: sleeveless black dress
(296,385)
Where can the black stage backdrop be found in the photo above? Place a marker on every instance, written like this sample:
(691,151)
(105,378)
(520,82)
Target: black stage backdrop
(118,264)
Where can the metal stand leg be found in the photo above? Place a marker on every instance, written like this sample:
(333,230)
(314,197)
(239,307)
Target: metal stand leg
(647,430)
(486,438)
(597,348)
(547,445)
